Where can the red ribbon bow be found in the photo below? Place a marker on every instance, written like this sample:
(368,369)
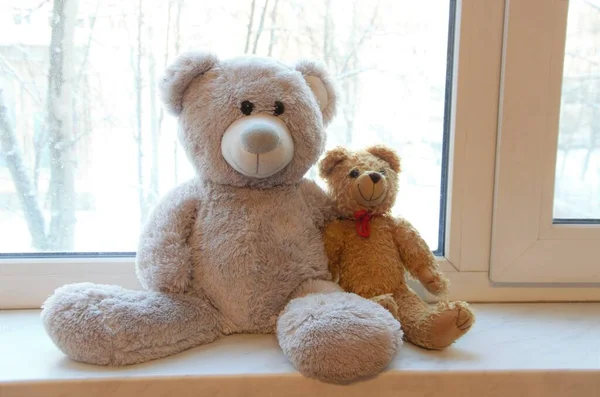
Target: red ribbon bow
(363,225)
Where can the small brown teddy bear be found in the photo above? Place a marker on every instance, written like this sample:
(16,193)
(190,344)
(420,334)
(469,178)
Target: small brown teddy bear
(369,250)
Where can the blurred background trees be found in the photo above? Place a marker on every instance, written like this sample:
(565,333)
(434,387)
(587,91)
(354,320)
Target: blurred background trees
(86,149)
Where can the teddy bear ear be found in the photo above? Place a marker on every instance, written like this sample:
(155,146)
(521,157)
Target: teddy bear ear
(386,154)
(322,85)
(178,76)
(331,160)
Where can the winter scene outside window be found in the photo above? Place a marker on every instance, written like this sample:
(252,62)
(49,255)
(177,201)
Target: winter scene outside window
(86,150)
(577,188)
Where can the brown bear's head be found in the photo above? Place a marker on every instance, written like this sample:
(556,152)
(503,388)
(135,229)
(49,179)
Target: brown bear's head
(362,180)
(249,121)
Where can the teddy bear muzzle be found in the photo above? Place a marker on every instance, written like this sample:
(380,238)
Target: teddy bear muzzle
(257,146)
(369,189)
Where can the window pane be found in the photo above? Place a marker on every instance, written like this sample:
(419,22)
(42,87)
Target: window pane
(80,171)
(577,191)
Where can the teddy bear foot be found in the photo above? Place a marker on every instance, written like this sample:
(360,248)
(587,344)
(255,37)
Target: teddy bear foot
(451,321)
(388,302)
(337,337)
(109,325)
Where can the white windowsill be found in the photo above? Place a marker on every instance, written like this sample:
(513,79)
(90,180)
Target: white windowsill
(515,349)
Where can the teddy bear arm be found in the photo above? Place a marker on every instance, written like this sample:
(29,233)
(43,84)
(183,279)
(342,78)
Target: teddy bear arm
(322,207)
(418,258)
(333,243)
(163,261)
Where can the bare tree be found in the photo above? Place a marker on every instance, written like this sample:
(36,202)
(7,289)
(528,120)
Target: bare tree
(580,114)
(10,70)
(350,67)
(177,45)
(250,23)
(341,54)
(161,113)
(60,126)
(261,26)
(59,235)
(37,100)
(273,37)
(153,191)
(139,136)
(327,32)
(86,55)
(20,175)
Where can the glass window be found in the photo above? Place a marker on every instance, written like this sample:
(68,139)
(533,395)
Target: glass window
(79,172)
(577,188)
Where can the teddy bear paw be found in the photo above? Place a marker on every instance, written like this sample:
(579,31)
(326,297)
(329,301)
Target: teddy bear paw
(453,321)
(388,302)
(433,281)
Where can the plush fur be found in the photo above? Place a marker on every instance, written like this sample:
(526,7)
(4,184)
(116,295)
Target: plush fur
(375,266)
(226,253)
(212,102)
(365,347)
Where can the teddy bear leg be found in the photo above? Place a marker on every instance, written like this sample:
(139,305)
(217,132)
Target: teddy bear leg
(432,327)
(388,302)
(334,336)
(109,325)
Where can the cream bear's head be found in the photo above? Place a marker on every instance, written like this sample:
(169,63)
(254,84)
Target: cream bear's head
(249,121)
(362,180)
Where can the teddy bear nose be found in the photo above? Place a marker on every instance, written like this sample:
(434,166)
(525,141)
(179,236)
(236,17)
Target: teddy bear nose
(259,139)
(375,176)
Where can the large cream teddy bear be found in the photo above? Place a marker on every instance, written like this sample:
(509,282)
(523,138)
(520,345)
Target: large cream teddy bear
(238,249)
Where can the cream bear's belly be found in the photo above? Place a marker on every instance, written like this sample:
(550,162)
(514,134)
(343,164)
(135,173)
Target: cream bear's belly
(251,251)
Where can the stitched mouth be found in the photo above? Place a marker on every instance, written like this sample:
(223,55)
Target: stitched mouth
(257,169)
(378,197)
(370,199)
(238,165)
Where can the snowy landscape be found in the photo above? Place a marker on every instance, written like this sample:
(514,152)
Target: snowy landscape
(115,152)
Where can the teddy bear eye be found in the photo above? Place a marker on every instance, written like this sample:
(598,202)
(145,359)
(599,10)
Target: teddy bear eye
(279,108)
(354,173)
(382,171)
(247,107)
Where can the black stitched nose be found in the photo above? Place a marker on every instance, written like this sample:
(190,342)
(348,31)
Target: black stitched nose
(375,176)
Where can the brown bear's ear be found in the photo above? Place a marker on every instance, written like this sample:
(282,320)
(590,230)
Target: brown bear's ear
(180,74)
(386,154)
(331,160)
(322,86)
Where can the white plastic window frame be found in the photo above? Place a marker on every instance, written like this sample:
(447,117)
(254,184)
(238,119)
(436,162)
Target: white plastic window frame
(477,87)
(527,247)
(480,57)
